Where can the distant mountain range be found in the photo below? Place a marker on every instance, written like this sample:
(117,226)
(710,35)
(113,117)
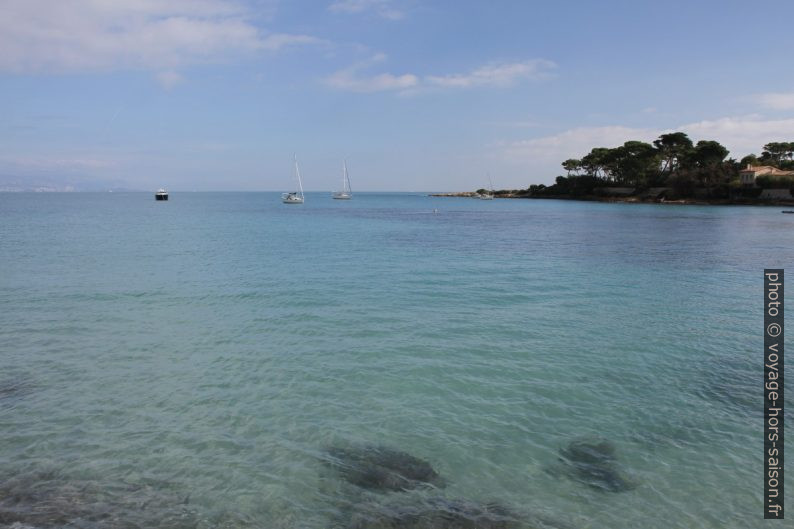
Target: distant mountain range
(10,184)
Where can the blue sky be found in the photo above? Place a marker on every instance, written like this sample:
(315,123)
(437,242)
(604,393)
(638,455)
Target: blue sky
(417,96)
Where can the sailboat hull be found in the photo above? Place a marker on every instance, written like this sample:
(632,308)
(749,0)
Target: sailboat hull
(291,198)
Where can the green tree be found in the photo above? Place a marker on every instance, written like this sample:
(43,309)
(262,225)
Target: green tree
(750,159)
(633,163)
(673,147)
(708,154)
(561,183)
(572,165)
(708,157)
(595,163)
(777,153)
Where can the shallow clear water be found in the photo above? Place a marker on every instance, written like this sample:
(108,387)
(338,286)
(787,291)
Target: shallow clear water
(189,362)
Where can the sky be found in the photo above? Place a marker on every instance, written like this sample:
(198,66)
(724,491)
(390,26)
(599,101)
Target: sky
(212,95)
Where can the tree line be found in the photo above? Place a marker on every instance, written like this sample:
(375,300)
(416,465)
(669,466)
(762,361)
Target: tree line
(671,161)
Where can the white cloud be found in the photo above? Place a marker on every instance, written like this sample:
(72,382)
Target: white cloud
(67,36)
(381,8)
(375,83)
(277,41)
(741,135)
(776,100)
(504,74)
(573,143)
(349,79)
(169,79)
(496,75)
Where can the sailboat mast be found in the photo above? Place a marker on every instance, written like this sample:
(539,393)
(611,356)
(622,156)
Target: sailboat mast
(298,173)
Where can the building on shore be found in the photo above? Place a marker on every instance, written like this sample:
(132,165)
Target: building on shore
(749,174)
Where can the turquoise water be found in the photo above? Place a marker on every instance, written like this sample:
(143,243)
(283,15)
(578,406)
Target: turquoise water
(187,363)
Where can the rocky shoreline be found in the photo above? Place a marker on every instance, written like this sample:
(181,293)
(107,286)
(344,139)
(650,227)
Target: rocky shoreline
(636,199)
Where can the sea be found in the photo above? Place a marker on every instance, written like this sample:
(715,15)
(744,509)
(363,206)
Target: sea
(193,363)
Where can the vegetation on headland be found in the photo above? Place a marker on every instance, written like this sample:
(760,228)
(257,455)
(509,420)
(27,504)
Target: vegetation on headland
(672,168)
(674,165)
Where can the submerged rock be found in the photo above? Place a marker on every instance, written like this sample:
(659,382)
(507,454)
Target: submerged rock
(49,500)
(731,382)
(602,477)
(593,463)
(10,389)
(382,469)
(39,500)
(437,513)
(596,451)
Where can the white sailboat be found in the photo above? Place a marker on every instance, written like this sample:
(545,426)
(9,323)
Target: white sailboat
(487,195)
(346,193)
(294,197)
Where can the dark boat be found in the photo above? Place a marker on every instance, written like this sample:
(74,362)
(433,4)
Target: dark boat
(787,211)
(161,194)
